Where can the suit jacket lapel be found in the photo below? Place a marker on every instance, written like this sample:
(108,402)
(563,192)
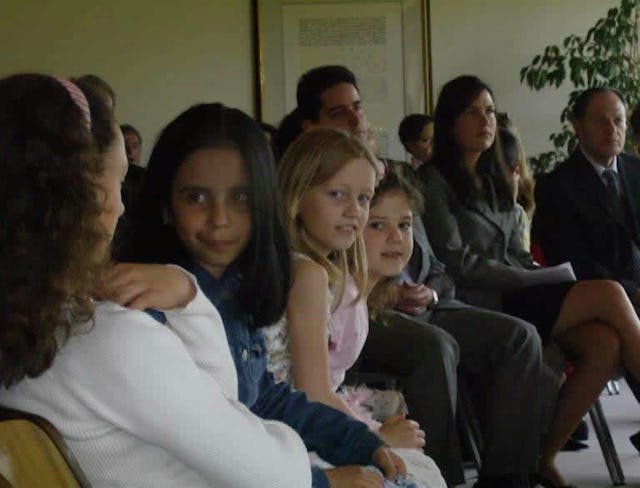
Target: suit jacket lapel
(591,186)
(484,209)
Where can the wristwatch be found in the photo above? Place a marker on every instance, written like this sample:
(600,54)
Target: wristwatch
(434,302)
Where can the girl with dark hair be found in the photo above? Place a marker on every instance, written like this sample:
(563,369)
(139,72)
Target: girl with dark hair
(209,203)
(138,403)
(471,221)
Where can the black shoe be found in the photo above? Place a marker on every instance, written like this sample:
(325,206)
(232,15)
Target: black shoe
(574,445)
(582,431)
(635,440)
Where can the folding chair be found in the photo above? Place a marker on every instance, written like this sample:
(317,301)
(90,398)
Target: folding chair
(33,454)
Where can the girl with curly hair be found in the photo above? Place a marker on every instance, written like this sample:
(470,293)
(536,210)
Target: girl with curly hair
(138,403)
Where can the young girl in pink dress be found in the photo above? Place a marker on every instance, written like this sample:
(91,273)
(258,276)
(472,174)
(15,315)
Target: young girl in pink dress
(327,180)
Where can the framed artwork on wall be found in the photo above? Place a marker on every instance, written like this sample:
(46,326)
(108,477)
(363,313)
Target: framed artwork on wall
(384,42)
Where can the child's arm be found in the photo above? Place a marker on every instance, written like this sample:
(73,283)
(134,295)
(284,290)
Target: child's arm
(141,286)
(307,322)
(308,325)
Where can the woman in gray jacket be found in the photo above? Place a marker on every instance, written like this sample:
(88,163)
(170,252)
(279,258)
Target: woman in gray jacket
(472,223)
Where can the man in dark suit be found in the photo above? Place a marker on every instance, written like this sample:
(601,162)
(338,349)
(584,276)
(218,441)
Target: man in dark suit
(588,208)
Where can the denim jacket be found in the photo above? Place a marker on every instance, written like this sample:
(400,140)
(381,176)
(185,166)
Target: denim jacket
(336,437)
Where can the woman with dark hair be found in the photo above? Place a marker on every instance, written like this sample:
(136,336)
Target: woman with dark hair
(138,403)
(471,221)
(210,203)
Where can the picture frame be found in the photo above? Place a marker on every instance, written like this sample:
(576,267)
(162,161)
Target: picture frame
(386,43)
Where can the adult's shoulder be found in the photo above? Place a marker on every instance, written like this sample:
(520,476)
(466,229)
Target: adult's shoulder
(429,173)
(563,175)
(630,159)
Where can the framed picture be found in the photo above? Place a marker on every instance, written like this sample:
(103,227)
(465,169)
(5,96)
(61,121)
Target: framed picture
(384,42)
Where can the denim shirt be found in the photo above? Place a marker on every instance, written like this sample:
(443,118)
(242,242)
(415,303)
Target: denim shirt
(335,436)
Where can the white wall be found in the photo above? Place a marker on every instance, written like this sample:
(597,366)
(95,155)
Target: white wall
(159,56)
(494,39)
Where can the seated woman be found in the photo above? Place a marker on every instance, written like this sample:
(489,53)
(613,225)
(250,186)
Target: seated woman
(327,178)
(138,403)
(472,224)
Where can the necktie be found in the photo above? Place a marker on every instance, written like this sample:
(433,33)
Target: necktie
(615,193)
(613,189)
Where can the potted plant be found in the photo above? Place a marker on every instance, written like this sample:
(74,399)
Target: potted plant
(606,56)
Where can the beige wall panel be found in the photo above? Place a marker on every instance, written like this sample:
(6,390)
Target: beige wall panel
(159,56)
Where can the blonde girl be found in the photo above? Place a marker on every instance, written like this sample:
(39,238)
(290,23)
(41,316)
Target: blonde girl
(327,179)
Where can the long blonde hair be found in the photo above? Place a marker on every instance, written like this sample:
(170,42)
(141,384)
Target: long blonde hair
(313,159)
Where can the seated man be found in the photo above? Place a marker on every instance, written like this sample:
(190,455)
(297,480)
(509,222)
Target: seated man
(588,208)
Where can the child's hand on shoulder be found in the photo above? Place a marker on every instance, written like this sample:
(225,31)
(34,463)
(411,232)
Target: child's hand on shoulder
(143,286)
(398,431)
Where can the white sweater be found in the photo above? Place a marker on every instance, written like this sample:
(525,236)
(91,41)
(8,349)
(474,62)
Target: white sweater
(145,405)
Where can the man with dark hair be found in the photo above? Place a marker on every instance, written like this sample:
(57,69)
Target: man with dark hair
(588,208)
(431,332)
(132,143)
(329,96)
(416,134)
(132,182)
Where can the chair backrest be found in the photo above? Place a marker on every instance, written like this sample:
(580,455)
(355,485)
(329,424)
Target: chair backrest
(33,454)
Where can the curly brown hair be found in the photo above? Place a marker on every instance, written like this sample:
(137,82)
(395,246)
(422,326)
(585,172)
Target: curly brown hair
(50,231)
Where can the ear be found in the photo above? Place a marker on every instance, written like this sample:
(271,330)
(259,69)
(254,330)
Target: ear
(577,127)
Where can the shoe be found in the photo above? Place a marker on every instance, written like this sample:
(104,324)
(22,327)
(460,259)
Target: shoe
(540,480)
(635,440)
(574,445)
(582,431)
